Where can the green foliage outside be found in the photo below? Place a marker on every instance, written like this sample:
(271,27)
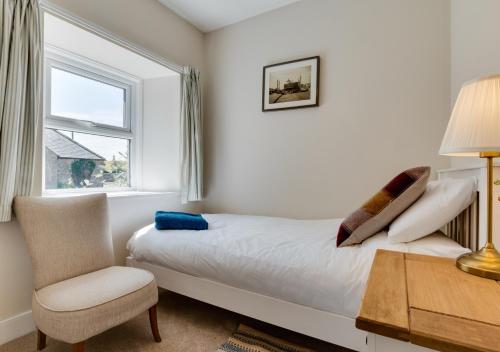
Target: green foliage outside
(81,172)
(87,173)
(116,171)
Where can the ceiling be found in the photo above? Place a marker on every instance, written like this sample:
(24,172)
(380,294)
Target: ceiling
(69,37)
(209,15)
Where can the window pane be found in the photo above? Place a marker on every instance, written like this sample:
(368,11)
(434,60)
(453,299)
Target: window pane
(82,98)
(80,160)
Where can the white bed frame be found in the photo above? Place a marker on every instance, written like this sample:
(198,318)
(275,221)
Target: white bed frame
(322,325)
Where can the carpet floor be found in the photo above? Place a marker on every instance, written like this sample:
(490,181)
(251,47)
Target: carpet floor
(185,325)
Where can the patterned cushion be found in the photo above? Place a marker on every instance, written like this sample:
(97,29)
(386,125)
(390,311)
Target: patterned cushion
(401,192)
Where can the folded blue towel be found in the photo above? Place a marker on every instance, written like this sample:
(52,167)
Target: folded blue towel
(172,220)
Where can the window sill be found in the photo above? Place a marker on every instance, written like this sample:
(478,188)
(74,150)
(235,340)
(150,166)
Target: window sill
(140,194)
(114,194)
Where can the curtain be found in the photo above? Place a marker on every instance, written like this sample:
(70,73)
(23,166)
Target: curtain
(21,53)
(191,137)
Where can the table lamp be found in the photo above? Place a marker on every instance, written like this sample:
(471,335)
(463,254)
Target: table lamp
(474,130)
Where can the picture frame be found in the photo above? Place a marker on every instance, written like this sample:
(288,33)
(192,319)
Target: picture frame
(291,84)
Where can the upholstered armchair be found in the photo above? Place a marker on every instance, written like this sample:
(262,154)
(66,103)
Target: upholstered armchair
(78,292)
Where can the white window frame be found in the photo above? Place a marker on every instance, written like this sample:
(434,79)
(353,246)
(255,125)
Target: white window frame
(76,64)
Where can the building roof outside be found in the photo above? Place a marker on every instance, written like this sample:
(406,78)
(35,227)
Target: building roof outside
(67,148)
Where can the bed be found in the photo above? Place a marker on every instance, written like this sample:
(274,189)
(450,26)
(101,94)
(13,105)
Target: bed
(283,271)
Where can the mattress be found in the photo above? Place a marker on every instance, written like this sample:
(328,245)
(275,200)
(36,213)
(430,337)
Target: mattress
(293,260)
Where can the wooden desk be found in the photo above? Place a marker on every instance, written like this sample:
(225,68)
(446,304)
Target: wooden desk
(429,302)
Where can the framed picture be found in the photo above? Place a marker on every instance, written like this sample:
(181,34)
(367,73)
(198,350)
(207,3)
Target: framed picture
(291,85)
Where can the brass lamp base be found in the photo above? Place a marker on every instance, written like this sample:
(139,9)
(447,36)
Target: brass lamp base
(484,263)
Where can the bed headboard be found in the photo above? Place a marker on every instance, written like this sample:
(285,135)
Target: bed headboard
(464,229)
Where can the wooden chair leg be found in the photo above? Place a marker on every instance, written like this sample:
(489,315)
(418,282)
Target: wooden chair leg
(153,320)
(41,341)
(79,347)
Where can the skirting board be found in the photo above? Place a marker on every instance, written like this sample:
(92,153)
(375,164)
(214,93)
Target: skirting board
(16,326)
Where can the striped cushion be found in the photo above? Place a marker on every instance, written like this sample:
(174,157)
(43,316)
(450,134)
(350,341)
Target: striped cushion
(378,212)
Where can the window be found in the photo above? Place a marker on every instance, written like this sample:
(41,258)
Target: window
(89,133)
(74,96)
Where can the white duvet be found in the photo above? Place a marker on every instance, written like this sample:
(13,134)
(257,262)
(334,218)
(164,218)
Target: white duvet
(294,260)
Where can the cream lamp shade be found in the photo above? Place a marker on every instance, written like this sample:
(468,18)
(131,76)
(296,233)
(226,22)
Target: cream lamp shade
(474,125)
(474,130)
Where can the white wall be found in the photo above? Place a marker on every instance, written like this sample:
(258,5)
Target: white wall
(160,130)
(15,272)
(145,22)
(154,27)
(384,105)
(475,49)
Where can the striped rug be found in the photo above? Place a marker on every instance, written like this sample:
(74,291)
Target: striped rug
(246,339)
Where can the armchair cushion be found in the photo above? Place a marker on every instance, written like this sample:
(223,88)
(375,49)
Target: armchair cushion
(79,308)
(90,290)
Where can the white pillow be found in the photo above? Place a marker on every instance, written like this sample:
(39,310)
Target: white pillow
(441,202)
(437,245)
